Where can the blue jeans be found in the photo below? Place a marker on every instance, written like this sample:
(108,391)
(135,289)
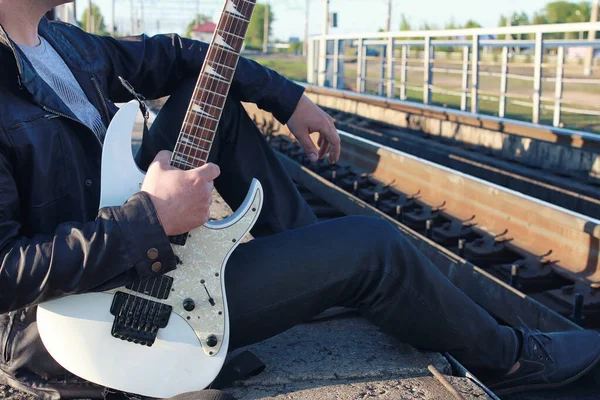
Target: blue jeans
(296,267)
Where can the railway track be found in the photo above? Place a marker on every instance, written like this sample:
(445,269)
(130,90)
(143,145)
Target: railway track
(556,167)
(517,256)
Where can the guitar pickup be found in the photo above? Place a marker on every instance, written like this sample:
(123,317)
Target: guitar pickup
(158,287)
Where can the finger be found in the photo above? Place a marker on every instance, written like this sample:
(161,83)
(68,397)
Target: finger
(163,158)
(209,171)
(308,146)
(324,148)
(336,145)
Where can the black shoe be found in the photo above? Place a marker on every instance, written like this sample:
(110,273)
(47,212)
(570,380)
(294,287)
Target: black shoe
(550,360)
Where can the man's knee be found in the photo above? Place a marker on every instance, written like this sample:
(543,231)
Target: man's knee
(373,234)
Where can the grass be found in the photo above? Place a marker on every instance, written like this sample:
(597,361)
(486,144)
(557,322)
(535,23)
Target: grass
(294,67)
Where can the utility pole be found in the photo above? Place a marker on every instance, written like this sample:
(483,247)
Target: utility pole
(305,47)
(142,17)
(326,18)
(388,25)
(197,13)
(132,19)
(323,47)
(589,59)
(114,23)
(88,21)
(266,30)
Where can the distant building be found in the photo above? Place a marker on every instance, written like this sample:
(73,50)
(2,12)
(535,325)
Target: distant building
(581,52)
(204,32)
(66,13)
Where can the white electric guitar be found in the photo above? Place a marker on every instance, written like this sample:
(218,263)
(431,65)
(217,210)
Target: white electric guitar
(168,335)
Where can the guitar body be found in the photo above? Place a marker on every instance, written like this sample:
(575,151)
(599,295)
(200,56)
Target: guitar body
(186,354)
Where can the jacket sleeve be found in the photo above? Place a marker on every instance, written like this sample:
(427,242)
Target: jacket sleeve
(77,257)
(156,65)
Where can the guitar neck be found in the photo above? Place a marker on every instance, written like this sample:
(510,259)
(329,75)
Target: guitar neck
(206,106)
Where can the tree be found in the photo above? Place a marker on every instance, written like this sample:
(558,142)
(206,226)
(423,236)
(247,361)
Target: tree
(558,12)
(516,19)
(471,24)
(200,19)
(98,27)
(405,23)
(256,29)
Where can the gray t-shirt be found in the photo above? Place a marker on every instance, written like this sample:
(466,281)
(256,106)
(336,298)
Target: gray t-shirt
(52,68)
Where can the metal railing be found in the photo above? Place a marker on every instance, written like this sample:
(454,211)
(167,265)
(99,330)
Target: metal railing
(329,58)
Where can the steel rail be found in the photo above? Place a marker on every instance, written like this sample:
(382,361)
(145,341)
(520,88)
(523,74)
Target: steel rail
(568,241)
(572,240)
(562,136)
(493,294)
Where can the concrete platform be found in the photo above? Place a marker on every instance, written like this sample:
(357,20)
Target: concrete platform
(347,359)
(341,359)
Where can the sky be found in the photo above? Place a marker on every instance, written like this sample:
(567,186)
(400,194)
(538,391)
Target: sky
(353,15)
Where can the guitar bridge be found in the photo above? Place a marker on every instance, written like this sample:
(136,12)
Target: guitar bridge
(138,320)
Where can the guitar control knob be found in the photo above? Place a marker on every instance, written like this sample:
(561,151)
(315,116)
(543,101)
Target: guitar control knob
(212,341)
(189,305)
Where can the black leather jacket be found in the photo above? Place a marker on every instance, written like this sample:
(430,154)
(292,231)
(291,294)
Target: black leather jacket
(53,239)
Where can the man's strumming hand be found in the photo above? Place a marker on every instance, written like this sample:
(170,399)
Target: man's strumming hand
(182,199)
(308,119)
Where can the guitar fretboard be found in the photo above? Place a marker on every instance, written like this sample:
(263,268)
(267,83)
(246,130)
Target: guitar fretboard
(206,106)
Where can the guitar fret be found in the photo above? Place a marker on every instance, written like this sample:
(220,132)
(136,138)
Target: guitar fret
(193,137)
(204,115)
(223,65)
(222,32)
(180,158)
(197,150)
(191,143)
(189,140)
(216,77)
(230,14)
(194,125)
(206,107)
(213,92)
(209,110)
(182,161)
(223,48)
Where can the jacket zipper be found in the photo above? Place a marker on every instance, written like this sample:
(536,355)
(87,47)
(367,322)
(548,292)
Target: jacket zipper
(102,101)
(22,87)
(58,113)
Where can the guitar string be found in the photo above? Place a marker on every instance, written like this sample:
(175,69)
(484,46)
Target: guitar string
(215,56)
(221,58)
(204,76)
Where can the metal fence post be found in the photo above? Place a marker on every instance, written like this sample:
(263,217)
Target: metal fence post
(323,62)
(427,71)
(503,83)
(310,63)
(360,65)
(465,79)
(382,64)
(336,63)
(391,68)
(537,77)
(404,73)
(560,68)
(475,75)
